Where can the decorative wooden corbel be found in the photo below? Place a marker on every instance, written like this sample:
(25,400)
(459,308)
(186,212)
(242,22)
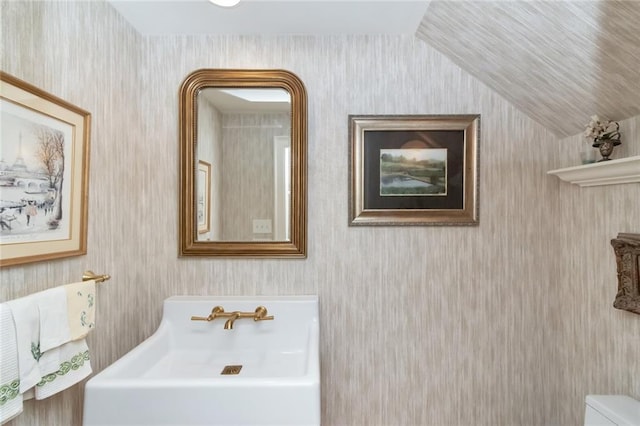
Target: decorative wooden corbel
(627,250)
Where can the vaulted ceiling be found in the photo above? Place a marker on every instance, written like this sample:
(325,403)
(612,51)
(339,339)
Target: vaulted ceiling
(559,62)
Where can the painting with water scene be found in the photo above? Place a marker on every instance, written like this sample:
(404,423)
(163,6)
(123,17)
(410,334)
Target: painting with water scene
(413,170)
(44,147)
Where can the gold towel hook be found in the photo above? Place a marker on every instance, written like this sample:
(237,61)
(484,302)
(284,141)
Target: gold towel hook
(90,275)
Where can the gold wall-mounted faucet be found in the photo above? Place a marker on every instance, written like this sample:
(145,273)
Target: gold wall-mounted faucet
(260,314)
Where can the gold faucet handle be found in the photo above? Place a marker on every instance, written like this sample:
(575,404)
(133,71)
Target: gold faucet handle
(214,313)
(261,314)
(200,319)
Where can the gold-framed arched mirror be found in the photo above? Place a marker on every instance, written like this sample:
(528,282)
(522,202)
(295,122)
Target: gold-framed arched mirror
(243,164)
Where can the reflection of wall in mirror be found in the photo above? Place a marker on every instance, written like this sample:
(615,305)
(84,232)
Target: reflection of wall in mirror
(210,150)
(247,178)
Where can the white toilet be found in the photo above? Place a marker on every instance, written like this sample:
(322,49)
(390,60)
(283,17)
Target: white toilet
(609,410)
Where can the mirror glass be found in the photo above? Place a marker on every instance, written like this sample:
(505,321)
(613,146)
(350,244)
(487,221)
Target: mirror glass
(243,165)
(245,133)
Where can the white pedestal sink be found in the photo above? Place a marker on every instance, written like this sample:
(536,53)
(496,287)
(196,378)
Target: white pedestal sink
(174,377)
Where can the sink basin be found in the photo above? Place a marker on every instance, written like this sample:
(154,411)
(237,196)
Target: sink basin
(175,376)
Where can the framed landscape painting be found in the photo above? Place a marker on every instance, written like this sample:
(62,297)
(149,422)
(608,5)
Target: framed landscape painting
(413,170)
(44,168)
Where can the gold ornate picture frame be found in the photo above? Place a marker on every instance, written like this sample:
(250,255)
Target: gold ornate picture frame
(44,181)
(413,170)
(627,250)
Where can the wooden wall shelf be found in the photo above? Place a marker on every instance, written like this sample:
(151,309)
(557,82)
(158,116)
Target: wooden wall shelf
(612,172)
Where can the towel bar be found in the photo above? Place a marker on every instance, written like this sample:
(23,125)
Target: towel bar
(90,275)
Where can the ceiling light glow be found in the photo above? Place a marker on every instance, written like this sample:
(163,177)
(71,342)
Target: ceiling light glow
(260,95)
(225,3)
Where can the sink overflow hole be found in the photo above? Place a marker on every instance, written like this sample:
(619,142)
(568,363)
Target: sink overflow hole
(231,369)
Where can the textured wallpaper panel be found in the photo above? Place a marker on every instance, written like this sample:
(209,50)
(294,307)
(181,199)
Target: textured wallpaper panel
(406,313)
(248,170)
(558,61)
(210,150)
(597,345)
(86,54)
(491,325)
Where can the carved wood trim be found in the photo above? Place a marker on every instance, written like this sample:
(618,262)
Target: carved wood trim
(627,250)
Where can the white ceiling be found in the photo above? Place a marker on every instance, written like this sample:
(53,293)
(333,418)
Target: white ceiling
(229,101)
(266,17)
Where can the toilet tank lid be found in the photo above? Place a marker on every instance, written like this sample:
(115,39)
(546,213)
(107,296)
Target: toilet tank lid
(621,409)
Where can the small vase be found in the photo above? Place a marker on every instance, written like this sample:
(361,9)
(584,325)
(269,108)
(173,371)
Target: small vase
(606,147)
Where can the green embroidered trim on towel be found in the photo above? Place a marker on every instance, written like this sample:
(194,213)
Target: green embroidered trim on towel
(83,315)
(75,363)
(35,351)
(83,320)
(9,391)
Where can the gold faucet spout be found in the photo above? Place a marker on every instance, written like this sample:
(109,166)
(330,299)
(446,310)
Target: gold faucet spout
(228,325)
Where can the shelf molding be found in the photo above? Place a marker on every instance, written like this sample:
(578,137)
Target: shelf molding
(612,172)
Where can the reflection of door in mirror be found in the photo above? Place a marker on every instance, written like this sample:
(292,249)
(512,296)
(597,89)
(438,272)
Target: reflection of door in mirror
(246,143)
(282,187)
(203,197)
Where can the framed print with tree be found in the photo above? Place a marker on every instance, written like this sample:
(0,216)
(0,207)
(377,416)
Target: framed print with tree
(413,170)
(204,197)
(44,172)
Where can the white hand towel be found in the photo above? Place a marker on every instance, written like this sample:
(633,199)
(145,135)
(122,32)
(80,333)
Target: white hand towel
(75,367)
(54,325)
(10,397)
(27,325)
(81,308)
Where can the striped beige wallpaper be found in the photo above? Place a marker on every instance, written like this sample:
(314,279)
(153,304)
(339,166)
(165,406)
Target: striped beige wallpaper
(558,61)
(507,323)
